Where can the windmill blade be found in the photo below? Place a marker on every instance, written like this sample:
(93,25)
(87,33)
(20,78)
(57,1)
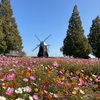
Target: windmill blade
(47,38)
(37,38)
(35,48)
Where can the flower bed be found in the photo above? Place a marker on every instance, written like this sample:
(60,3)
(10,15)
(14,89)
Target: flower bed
(49,79)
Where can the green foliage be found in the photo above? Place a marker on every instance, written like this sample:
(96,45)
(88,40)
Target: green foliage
(9,34)
(75,43)
(94,36)
(2,42)
(22,53)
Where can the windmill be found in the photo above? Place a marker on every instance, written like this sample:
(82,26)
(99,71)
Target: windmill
(43,47)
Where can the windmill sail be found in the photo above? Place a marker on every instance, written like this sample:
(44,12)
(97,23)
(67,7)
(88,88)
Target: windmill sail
(35,48)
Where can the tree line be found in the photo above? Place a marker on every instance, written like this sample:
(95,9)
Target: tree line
(10,39)
(75,43)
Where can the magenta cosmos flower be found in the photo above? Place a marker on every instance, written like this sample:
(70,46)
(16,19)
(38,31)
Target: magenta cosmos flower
(9,91)
(10,77)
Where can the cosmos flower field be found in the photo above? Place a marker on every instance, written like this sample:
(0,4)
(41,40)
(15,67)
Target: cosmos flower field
(49,79)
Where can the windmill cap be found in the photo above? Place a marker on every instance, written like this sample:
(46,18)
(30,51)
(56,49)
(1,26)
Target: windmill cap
(43,44)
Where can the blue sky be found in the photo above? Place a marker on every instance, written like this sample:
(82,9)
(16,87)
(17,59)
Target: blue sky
(45,17)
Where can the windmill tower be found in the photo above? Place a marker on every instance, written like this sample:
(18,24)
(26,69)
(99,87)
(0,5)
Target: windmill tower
(43,47)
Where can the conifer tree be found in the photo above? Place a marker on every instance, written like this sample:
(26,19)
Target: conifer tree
(94,36)
(9,34)
(75,43)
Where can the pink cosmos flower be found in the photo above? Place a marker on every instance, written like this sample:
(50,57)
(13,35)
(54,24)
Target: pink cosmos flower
(25,79)
(60,83)
(73,78)
(81,81)
(97,79)
(10,77)
(0,69)
(45,91)
(27,89)
(33,77)
(35,96)
(29,69)
(55,95)
(34,84)
(34,61)
(55,64)
(9,91)
(99,95)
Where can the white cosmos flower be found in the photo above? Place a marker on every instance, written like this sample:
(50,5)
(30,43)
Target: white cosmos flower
(19,90)
(81,91)
(30,98)
(19,99)
(2,98)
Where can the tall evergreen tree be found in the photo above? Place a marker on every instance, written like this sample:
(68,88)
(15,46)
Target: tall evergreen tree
(75,43)
(94,36)
(11,39)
